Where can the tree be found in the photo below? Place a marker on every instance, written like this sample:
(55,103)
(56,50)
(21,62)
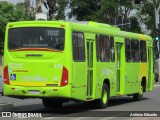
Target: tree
(135,27)
(85,9)
(56,8)
(104,11)
(10,13)
(146,13)
(61,9)
(125,7)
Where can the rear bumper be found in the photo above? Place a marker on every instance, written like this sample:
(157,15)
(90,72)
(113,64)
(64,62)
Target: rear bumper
(40,92)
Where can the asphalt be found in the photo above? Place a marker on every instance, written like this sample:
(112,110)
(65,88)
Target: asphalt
(5,106)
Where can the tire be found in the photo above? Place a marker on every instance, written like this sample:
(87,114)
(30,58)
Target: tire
(2,93)
(156,77)
(52,103)
(103,101)
(138,96)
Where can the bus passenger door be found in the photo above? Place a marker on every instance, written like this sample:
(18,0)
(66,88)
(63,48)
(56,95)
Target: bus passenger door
(118,61)
(89,91)
(79,66)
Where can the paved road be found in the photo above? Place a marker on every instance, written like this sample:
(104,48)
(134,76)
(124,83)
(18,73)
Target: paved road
(150,102)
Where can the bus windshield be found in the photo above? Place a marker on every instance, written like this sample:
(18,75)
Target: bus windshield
(36,37)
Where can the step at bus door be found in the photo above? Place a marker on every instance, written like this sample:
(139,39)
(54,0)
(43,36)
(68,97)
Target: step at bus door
(118,61)
(89,69)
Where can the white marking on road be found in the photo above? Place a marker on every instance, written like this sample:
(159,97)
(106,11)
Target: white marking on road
(144,118)
(156,85)
(49,118)
(79,118)
(18,118)
(72,118)
(131,118)
(107,118)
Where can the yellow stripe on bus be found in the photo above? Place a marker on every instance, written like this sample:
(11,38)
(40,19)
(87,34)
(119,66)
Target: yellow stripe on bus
(143,70)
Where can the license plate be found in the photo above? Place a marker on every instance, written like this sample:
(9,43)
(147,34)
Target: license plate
(34,92)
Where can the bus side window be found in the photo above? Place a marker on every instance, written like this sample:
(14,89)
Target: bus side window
(97,48)
(78,46)
(143,51)
(75,47)
(104,48)
(107,49)
(112,48)
(128,49)
(101,48)
(135,51)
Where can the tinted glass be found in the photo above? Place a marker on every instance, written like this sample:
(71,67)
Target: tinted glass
(52,38)
(78,46)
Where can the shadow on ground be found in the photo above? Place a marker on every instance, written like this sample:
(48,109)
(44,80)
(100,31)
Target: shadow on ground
(68,109)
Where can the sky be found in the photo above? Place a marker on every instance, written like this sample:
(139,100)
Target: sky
(13,1)
(16,1)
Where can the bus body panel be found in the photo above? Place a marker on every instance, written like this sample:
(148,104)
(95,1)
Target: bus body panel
(37,92)
(107,71)
(38,73)
(132,78)
(32,71)
(41,71)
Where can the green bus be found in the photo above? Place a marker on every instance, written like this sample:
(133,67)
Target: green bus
(58,61)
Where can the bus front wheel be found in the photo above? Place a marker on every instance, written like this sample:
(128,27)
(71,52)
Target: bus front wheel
(103,101)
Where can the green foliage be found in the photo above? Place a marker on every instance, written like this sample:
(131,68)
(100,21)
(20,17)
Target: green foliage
(60,9)
(135,26)
(103,11)
(56,8)
(146,14)
(108,11)
(10,13)
(80,9)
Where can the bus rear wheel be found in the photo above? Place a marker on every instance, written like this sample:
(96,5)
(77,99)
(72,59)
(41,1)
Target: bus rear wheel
(103,101)
(54,103)
(138,96)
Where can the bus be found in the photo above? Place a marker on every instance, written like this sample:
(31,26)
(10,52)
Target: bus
(59,61)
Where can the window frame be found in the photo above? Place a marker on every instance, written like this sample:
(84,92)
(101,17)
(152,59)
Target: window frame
(78,51)
(128,50)
(38,33)
(143,51)
(101,47)
(135,51)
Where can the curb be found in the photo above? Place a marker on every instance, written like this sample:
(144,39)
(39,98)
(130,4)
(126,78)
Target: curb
(5,106)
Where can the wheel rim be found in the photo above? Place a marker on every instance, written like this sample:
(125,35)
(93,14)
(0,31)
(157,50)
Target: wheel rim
(104,97)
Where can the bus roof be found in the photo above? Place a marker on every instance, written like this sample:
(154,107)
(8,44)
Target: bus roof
(89,26)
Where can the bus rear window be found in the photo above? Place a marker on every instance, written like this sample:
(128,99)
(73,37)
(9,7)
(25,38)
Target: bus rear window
(36,37)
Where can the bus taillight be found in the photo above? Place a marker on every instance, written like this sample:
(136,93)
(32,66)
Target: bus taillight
(64,80)
(6,77)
